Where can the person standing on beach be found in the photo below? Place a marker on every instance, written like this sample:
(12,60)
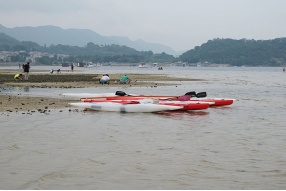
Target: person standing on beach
(26,70)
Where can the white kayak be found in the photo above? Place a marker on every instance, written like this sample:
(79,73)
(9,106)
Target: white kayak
(89,95)
(149,100)
(111,96)
(107,95)
(119,107)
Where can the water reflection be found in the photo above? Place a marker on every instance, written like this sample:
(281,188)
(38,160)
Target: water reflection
(20,89)
(26,88)
(177,114)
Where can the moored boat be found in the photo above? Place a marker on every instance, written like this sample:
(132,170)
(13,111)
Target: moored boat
(217,101)
(119,95)
(187,105)
(119,107)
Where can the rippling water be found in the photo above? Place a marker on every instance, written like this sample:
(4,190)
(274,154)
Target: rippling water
(242,146)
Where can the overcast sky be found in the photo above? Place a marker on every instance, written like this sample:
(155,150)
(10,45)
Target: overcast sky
(179,24)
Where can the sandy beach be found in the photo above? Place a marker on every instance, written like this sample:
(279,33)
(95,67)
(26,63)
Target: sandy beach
(66,79)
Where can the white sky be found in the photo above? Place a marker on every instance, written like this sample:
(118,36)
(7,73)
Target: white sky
(179,24)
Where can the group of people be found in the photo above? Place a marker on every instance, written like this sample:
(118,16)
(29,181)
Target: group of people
(26,68)
(105,79)
(58,71)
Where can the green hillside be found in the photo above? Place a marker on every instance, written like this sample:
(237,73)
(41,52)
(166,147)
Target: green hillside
(89,53)
(239,52)
(8,43)
(217,51)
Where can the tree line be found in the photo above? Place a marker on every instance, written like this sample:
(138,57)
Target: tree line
(241,52)
(89,53)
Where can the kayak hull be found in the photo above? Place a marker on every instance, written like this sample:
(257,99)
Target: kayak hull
(119,107)
(216,101)
(191,106)
(114,97)
(186,105)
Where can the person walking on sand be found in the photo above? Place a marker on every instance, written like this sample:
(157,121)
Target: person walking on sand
(26,70)
(283,69)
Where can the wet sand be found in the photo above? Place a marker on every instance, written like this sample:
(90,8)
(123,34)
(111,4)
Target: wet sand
(67,79)
(26,105)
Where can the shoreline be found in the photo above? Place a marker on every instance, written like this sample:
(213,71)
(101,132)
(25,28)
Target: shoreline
(43,79)
(29,105)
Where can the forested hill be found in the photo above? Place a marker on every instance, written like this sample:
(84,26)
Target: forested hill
(216,51)
(8,43)
(91,52)
(48,35)
(239,52)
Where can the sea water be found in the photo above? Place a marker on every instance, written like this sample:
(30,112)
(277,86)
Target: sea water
(241,146)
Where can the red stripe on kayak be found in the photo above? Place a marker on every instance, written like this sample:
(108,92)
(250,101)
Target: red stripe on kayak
(199,106)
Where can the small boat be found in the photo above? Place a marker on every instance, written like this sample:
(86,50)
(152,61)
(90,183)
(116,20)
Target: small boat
(65,64)
(217,101)
(211,101)
(89,95)
(111,96)
(187,105)
(128,107)
(119,95)
(90,65)
(143,65)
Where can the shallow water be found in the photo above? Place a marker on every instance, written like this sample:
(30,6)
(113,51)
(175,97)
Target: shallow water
(241,146)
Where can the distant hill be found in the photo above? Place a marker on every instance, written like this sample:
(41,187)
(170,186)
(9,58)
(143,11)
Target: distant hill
(233,52)
(7,40)
(239,52)
(48,35)
(89,53)
(8,43)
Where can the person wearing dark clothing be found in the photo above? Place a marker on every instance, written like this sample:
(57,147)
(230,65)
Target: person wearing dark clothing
(26,70)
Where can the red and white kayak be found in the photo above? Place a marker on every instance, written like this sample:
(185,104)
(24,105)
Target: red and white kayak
(111,96)
(187,105)
(87,95)
(216,101)
(130,98)
(126,97)
(119,107)
(211,101)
